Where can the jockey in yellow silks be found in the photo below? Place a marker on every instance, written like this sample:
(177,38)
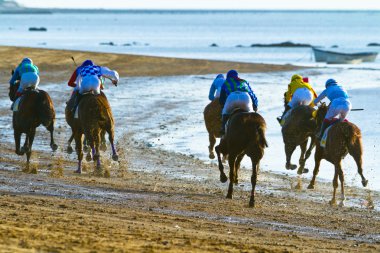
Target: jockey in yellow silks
(299,93)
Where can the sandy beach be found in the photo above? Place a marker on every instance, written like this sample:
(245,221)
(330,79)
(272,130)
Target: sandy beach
(155,200)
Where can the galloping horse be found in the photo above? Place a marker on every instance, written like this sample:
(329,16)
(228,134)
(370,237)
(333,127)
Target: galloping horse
(95,115)
(298,127)
(213,120)
(343,138)
(75,126)
(245,136)
(35,108)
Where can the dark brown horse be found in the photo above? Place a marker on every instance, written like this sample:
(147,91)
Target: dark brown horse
(343,138)
(299,126)
(213,120)
(95,115)
(245,136)
(35,108)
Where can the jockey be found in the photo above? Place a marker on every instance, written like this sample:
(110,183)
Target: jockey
(216,86)
(299,93)
(236,93)
(340,105)
(28,75)
(89,79)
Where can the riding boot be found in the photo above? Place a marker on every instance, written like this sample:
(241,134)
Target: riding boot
(287,108)
(76,103)
(325,124)
(225,118)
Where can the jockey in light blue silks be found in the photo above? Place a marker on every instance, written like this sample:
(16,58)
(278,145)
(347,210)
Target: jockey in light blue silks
(340,105)
(216,86)
(28,75)
(88,78)
(236,93)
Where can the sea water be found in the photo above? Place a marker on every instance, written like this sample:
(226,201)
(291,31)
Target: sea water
(189,34)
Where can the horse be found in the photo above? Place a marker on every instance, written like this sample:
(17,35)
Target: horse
(75,126)
(35,108)
(245,136)
(213,120)
(343,138)
(298,127)
(95,115)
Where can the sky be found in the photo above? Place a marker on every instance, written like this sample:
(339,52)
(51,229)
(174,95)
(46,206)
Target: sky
(209,4)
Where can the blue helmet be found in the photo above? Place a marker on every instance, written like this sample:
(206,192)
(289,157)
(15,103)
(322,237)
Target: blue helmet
(87,63)
(330,82)
(27,60)
(232,74)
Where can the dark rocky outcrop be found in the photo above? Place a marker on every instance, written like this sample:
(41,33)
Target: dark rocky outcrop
(37,29)
(282,44)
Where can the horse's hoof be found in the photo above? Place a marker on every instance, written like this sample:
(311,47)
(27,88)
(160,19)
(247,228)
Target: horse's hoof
(236,182)
(88,157)
(24,150)
(19,153)
(291,166)
(341,204)
(332,202)
(251,203)
(211,156)
(229,196)
(302,171)
(364,183)
(103,147)
(78,171)
(85,149)
(54,147)
(310,187)
(115,157)
(223,178)
(69,150)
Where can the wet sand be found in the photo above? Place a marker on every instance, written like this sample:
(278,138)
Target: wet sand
(154,200)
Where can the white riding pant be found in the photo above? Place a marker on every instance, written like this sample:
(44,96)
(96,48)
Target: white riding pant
(28,80)
(90,83)
(339,107)
(238,100)
(302,96)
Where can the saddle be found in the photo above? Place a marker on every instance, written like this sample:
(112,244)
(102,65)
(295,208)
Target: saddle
(16,104)
(234,111)
(326,132)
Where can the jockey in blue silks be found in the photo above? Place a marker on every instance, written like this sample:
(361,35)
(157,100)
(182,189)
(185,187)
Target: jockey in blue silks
(216,86)
(236,93)
(340,104)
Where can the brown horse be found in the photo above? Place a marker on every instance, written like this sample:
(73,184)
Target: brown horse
(343,138)
(298,127)
(95,115)
(35,108)
(213,120)
(75,126)
(245,136)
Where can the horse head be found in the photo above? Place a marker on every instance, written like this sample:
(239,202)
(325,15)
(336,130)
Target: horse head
(320,114)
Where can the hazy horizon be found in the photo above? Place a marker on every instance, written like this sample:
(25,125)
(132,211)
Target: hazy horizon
(204,4)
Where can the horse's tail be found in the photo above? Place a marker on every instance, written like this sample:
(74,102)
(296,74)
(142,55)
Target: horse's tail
(46,109)
(261,136)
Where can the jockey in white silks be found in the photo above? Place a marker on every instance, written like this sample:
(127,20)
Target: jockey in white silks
(340,104)
(89,77)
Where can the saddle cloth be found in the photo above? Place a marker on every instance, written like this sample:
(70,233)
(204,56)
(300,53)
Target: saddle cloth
(286,116)
(16,104)
(324,137)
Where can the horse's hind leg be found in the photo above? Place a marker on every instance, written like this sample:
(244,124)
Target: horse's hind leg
(231,163)
(312,145)
(341,179)
(289,149)
(237,167)
(50,128)
(302,160)
(17,136)
(78,148)
(212,141)
(111,136)
(255,169)
(223,177)
(335,185)
(317,160)
(30,138)
(69,149)
(103,143)
(356,152)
